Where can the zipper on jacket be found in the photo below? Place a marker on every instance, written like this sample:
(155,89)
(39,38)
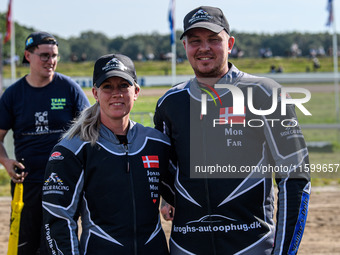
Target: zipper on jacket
(134,216)
(134,211)
(127,158)
(206,181)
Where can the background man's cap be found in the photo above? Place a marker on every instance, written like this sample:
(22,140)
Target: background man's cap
(38,38)
(208,17)
(114,65)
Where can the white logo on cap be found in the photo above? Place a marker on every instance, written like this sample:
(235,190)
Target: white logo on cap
(114,64)
(200,15)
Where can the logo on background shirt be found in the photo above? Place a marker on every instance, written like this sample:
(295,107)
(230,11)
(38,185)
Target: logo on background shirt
(58,103)
(41,122)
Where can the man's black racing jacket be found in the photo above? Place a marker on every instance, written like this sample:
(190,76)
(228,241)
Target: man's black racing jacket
(224,163)
(114,188)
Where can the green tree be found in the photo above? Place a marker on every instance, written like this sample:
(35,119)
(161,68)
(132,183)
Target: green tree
(89,45)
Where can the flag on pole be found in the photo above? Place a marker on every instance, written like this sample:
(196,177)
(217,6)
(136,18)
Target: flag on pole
(172,21)
(330,13)
(8,23)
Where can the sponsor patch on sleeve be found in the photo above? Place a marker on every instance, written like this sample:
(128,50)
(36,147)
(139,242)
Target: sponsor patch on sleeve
(56,156)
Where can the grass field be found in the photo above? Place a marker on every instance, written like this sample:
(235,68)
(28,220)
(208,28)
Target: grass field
(321,104)
(322,108)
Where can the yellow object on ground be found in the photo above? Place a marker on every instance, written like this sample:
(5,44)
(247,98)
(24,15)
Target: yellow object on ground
(17,205)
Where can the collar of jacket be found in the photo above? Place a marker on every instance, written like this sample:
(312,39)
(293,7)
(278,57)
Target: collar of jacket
(108,135)
(229,78)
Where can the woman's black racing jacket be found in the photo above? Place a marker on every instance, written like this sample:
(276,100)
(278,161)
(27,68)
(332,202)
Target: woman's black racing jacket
(114,188)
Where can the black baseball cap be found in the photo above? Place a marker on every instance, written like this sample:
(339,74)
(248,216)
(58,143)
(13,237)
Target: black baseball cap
(208,17)
(38,38)
(114,65)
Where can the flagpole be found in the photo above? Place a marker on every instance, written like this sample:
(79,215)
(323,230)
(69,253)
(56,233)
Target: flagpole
(173,63)
(173,45)
(1,67)
(336,73)
(13,76)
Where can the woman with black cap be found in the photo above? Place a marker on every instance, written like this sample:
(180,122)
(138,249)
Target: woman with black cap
(109,170)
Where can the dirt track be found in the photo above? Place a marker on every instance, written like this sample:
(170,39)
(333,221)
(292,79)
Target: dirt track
(322,233)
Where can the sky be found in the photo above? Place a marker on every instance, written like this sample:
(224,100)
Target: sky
(66,18)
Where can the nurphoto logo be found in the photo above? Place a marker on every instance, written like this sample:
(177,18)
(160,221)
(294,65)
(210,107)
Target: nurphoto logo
(236,113)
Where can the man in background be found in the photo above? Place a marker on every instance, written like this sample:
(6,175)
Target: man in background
(39,107)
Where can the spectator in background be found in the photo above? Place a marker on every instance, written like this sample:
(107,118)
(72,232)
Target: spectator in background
(39,107)
(316,64)
(266,53)
(279,69)
(295,50)
(272,69)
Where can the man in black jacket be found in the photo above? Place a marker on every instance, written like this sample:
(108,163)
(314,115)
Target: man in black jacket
(228,137)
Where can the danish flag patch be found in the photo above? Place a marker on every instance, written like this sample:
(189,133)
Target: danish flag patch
(150,161)
(227,114)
